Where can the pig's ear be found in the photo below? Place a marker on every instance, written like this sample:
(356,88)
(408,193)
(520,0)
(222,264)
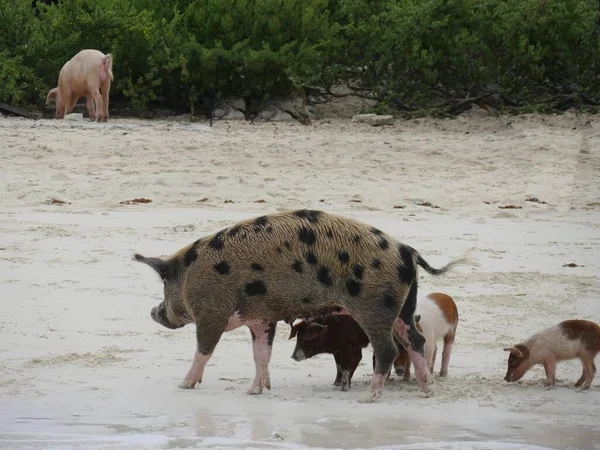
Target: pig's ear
(417,318)
(514,351)
(294,330)
(160,265)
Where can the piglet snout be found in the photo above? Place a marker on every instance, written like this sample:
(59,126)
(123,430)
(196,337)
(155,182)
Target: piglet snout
(298,355)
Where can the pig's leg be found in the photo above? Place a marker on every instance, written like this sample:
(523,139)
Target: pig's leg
(589,370)
(105,92)
(262,344)
(448,341)
(421,371)
(89,103)
(346,364)
(407,371)
(338,365)
(385,352)
(99,104)
(430,351)
(550,368)
(356,359)
(583,375)
(208,334)
(411,339)
(69,100)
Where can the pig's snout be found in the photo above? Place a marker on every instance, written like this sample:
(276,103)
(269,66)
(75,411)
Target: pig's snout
(510,377)
(298,355)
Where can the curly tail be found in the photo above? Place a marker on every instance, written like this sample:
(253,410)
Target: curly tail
(51,94)
(107,63)
(463,260)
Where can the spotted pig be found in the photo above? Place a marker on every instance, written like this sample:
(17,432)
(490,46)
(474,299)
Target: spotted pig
(300,264)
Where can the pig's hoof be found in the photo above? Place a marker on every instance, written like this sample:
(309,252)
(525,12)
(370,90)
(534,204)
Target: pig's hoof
(255,390)
(345,387)
(367,397)
(186,385)
(443,374)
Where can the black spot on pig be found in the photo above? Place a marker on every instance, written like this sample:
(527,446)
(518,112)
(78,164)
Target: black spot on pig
(376,264)
(307,236)
(222,268)
(234,231)
(343,256)
(256,287)
(406,266)
(358,271)
(389,301)
(297,266)
(191,255)
(308,214)
(260,224)
(311,258)
(353,287)
(324,276)
(256,267)
(216,242)
(383,243)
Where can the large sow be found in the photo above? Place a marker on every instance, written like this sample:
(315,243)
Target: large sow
(300,264)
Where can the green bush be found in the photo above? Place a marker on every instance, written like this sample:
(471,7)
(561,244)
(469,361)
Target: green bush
(407,54)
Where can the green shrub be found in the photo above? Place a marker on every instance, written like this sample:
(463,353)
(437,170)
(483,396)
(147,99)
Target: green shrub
(409,54)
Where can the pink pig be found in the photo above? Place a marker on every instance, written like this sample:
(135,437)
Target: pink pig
(88,72)
(568,340)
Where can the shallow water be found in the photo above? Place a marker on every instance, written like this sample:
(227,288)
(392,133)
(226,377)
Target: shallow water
(290,426)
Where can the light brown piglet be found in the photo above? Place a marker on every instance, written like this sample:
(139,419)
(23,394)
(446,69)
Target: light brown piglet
(568,340)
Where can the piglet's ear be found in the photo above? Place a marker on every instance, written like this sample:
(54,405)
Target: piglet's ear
(514,351)
(294,330)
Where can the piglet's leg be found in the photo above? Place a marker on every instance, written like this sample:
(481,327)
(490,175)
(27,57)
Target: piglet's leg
(418,360)
(550,368)
(338,365)
(262,344)
(448,342)
(589,370)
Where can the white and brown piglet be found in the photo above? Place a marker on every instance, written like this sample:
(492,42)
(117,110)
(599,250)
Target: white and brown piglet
(437,318)
(568,340)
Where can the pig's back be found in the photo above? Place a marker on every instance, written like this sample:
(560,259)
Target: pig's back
(298,261)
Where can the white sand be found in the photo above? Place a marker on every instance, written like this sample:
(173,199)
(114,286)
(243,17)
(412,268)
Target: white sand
(82,365)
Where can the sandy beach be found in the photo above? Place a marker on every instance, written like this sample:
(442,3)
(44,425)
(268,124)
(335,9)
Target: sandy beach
(83,366)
